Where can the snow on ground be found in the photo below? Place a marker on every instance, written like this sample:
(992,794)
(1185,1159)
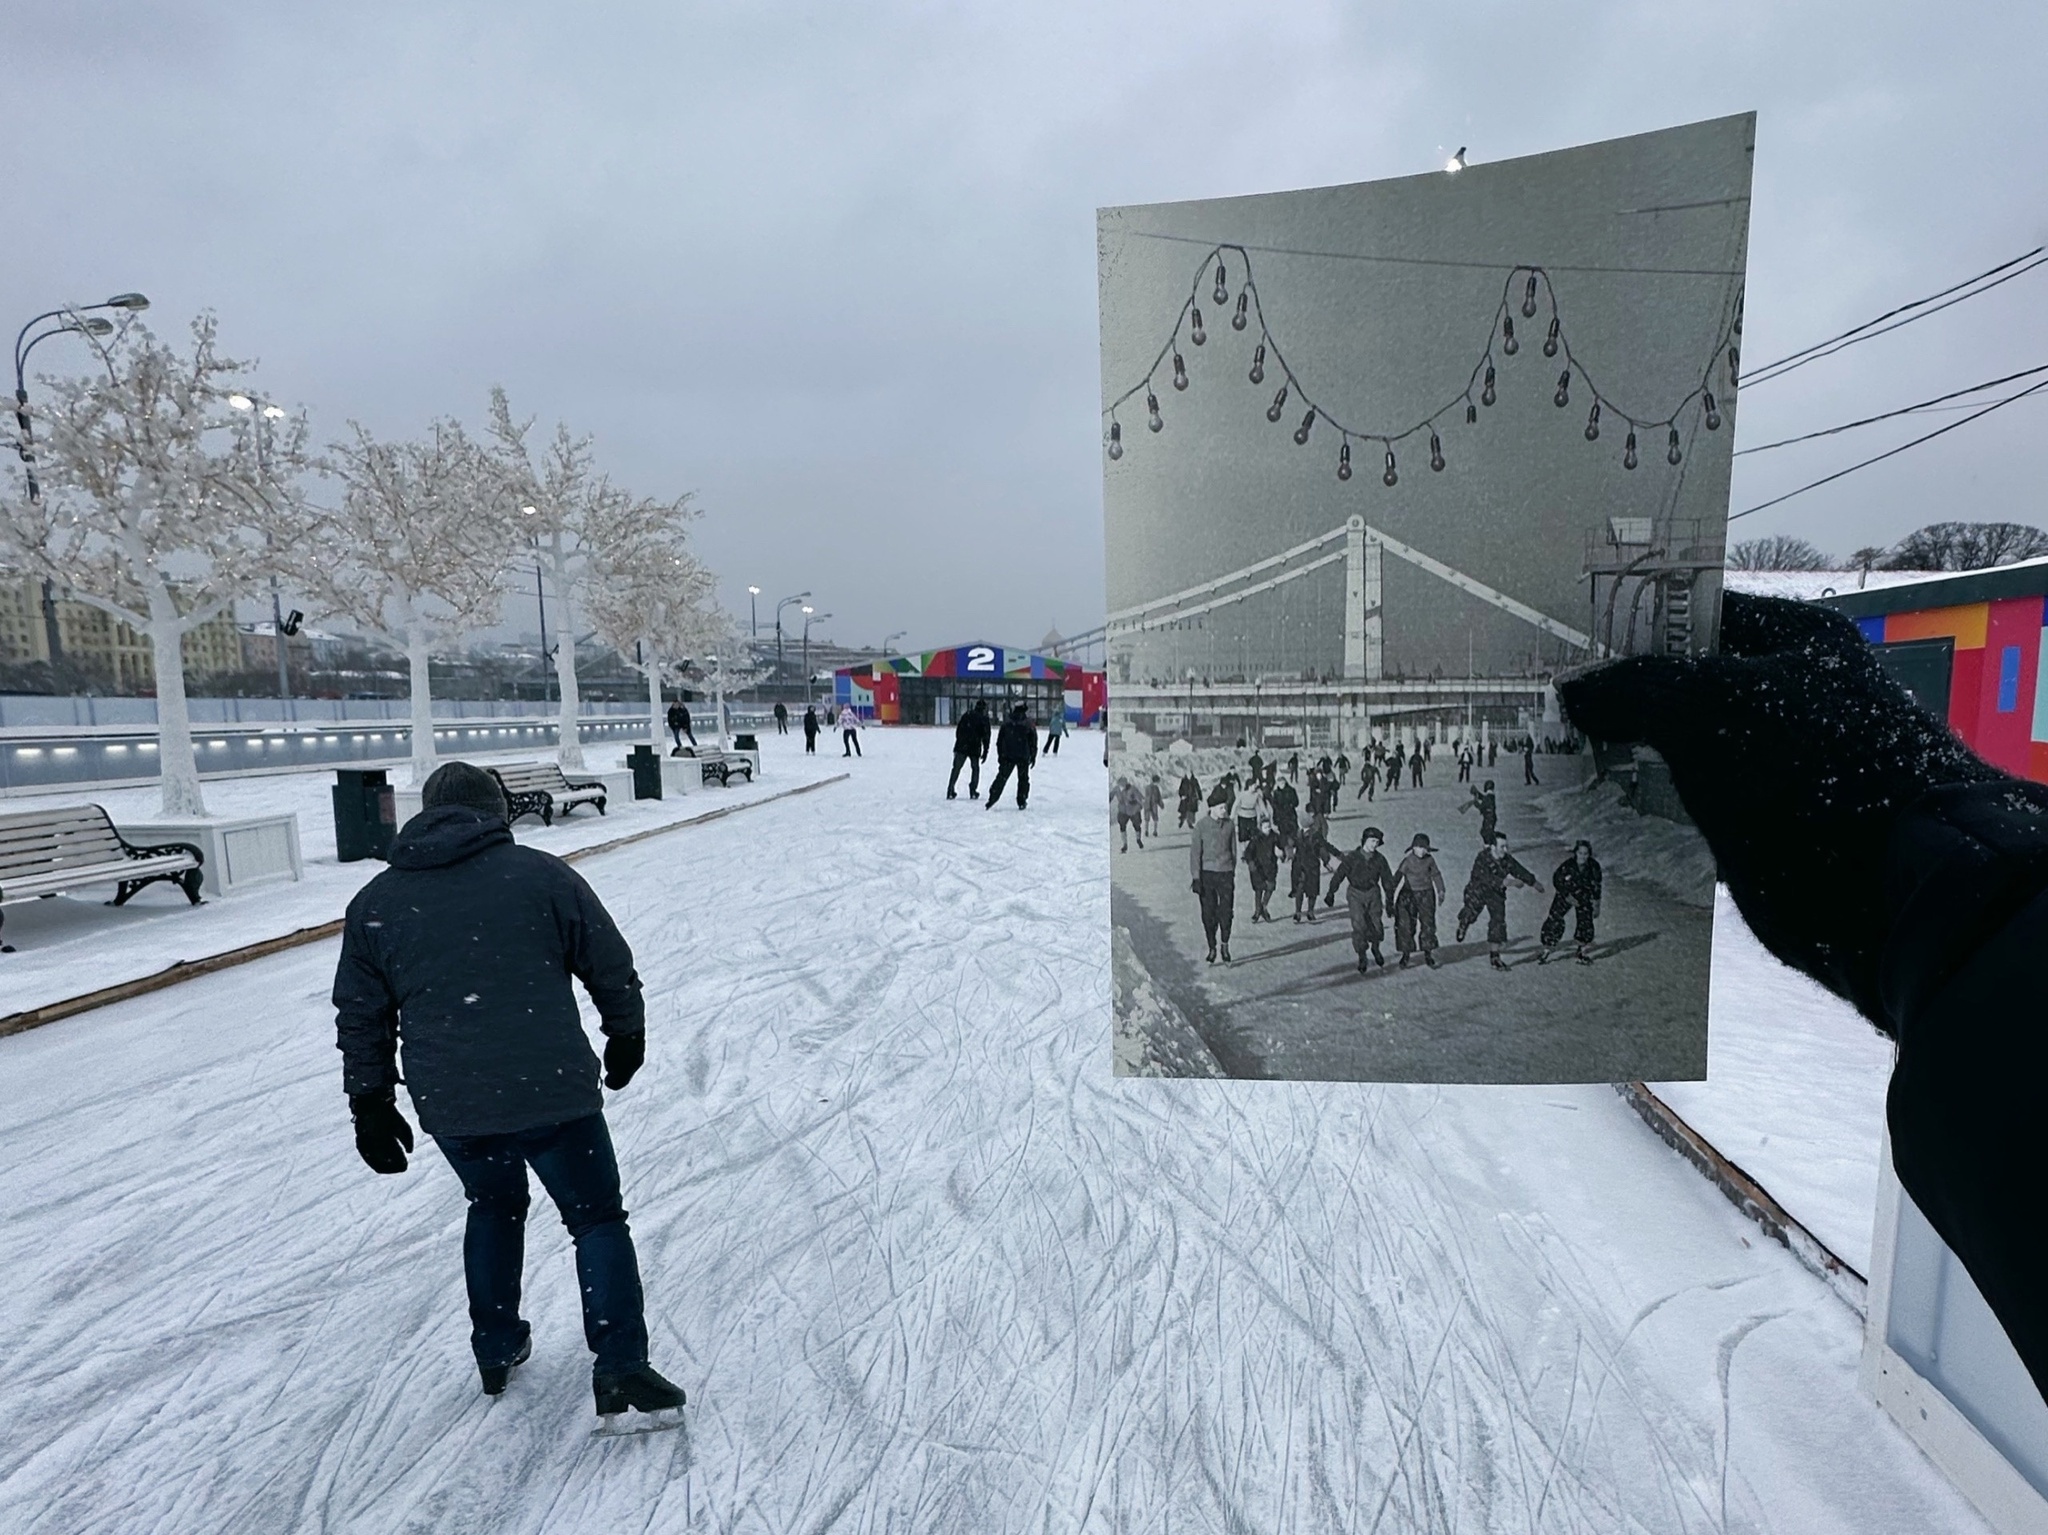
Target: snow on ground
(77,943)
(1794,1092)
(922,1262)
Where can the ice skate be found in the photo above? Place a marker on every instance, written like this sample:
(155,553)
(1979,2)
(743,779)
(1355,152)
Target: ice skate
(1496,961)
(1583,957)
(1226,953)
(1361,964)
(1211,955)
(1429,958)
(952,794)
(1378,958)
(497,1376)
(638,1402)
(1546,956)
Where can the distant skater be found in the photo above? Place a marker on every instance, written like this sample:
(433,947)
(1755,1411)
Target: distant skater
(1212,871)
(1286,806)
(1487,891)
(1418,887)
(781,718)
(1529,760)
(1464,764)
(1190,799)
(1155,802)
(1016,750)
(1130,813)
(849,731)
(1397,765)
(812,726)
(1487,803)
(970,750)
(1262,858)
(1416,759)
(1577,883)
(1368,779)
(1305,874)
(679,726)
(1370,882)
(1055,731)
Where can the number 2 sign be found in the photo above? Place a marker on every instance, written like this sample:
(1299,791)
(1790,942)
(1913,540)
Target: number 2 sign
(981,658)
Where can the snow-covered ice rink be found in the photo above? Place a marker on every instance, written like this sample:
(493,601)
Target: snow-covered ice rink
(922,1263)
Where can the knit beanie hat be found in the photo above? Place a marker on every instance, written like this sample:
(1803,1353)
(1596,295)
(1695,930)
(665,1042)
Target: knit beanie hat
(1219,795)
(459,783)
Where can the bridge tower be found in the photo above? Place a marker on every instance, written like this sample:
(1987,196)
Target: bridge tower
(1364,656)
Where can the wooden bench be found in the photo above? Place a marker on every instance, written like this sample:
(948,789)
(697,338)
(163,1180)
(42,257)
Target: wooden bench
(538,788)
(720,766)
(47,852)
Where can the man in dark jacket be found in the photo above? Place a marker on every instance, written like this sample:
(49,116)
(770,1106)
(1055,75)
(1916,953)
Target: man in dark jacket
(1487,891)
(1016,750)
(1577,882)
(1487,803)
(679,726)
(460,955)
(1882,857)
(1190,798)
(1371,886)
(811,728)
(970,750)
(781,718)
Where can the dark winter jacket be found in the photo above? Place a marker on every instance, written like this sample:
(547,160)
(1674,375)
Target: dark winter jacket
(1490,876)
(1017,741)
(460,956)
(678,717)
(1579,883)
(1262,857)
(971,733)
(1286,805)
(811,725)
(1369,875)
(1190,793)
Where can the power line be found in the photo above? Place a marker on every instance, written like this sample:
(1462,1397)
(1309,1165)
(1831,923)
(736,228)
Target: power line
(1903,410)
(1893,452)
(1793,361)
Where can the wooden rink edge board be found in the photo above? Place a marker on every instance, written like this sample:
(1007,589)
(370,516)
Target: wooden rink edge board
(192,969)
(1749,1196)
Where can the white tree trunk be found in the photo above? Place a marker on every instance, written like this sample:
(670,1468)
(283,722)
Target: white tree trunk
(424,758)
(568,739)
(654,704)
(176,762)
(718,703)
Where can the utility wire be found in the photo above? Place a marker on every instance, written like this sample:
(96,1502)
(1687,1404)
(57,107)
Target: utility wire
(1903,410)
(1918,309)
(1893,452)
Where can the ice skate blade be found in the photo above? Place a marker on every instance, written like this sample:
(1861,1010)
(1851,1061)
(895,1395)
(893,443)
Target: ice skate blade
(624,1425)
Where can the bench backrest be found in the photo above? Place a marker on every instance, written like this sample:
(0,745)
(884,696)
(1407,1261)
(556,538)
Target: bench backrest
(525,777)
(47,841)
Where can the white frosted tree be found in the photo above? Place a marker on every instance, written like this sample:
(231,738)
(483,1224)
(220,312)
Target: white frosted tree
(724,662)
(648,602)
(162,504)
(574,517)
(416,550)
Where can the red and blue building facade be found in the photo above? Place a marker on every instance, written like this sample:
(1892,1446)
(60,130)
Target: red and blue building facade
(935,687)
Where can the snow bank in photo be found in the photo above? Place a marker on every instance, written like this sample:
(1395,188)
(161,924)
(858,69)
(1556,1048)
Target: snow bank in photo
(1671,857)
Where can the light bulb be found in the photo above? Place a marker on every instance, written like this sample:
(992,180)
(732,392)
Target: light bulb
(1279,404)
(1242,318)
(1713,413)
(1389,478)
(1508,343)
(1436,452)
(1671,453)
(1486,395)
(240,402)
(1116,440)
(1152,408)
(1344,460)
(1258,373)
(1307,425)
(1471,412)
(1734,363)
(1180,372)
(1628,452)
(1222,293)
(1529,299)
(1563,397)
(1195,332)
(1550,341)
(1593,423)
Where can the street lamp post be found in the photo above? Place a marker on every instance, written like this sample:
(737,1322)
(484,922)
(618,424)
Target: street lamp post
(890,639)
(811,616)
(753,614)
(260,417)
(78,321)
(786,602)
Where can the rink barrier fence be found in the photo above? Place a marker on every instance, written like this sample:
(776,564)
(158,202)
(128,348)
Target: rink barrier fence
(192,969)
(1749,1196)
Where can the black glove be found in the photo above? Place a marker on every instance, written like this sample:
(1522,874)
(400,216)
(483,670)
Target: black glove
(1797,757)
(382,1135)
(623,1055)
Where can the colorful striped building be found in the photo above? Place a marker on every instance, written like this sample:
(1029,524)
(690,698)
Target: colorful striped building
(935,687)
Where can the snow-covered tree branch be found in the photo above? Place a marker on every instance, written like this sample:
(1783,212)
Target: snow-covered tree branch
(161,506)
(575,517)
(649,601)
(416,550)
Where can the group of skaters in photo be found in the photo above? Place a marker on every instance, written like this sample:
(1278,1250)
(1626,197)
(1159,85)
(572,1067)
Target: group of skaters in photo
(1270,813)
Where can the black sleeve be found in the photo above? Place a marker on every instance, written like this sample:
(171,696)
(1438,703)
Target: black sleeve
(1968,893)
(365,1011)
(599,956)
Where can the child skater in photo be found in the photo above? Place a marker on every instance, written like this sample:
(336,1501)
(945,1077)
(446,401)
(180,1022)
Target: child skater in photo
(1577,886)
(1487,891)
(1305,881)
(1370,882)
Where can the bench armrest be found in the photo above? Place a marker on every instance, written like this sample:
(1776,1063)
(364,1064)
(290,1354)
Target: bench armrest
(163,849)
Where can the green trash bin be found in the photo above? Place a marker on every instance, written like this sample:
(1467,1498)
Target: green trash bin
(365,814)
(646,766)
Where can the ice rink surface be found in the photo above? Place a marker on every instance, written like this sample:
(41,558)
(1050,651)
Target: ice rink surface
(922,1263)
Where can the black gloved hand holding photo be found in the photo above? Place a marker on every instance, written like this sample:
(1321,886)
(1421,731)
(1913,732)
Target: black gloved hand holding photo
(382,1135)
(1796,755)
(624,1054)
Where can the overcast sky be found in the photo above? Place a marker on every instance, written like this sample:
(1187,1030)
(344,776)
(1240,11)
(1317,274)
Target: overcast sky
(832,266)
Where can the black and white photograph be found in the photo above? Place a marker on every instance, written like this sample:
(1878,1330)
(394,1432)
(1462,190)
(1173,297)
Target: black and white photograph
(1381,462)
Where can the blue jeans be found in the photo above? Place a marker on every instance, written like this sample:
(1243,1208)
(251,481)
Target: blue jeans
(575,1163)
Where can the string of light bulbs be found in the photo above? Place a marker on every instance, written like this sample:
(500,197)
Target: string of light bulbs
(1480,385)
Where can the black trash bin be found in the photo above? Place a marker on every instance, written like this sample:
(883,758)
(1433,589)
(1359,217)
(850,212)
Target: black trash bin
(365,814)
(646,766)
(745,743)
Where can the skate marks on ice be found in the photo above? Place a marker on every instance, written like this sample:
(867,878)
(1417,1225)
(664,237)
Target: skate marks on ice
(921,1262)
